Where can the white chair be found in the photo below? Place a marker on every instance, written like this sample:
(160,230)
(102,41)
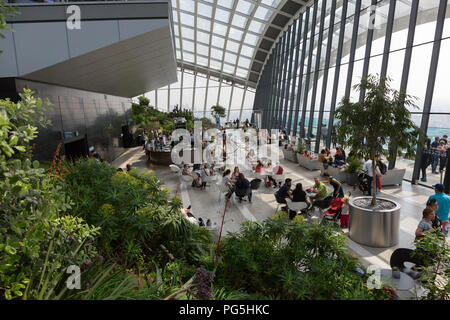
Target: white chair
(210,180)
(296,206)
(175,170)
(279,177)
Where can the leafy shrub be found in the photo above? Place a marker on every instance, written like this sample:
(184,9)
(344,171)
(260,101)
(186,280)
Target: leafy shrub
(135,213)
(37,242)
(354,165)
(434,251)
(284,260)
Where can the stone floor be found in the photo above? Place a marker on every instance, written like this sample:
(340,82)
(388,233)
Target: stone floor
(206,204)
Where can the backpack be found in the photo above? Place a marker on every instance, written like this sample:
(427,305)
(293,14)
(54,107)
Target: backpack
(383,167)
(268,184)
(255,183)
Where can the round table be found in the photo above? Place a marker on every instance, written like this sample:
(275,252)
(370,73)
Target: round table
(405,282)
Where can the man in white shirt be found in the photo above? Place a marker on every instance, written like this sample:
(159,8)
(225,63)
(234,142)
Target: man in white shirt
(369,169)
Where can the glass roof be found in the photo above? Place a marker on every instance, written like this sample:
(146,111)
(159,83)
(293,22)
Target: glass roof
(222,35)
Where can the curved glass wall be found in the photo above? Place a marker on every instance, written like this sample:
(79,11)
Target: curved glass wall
(198,93)
(339,42)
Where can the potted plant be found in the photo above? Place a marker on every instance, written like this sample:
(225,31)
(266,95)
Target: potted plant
(218,112)
(353,167)
(366,127)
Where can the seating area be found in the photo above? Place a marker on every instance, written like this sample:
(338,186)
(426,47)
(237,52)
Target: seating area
(188,151)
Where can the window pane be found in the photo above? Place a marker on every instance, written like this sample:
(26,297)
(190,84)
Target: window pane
(441,96)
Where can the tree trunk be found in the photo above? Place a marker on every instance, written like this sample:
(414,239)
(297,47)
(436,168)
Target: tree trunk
(374,182)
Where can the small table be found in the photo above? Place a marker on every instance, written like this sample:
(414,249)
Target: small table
(405,282)
(311,194)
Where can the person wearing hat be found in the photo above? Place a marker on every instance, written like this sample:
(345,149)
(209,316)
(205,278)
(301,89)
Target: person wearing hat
(443,201)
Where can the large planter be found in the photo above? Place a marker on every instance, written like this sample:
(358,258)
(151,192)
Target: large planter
(378,229)
(289,155)
(307,163)
(340,174)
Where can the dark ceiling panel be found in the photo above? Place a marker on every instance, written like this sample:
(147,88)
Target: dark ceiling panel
(291,7)
(257,67)
(253,77)
(272,32)
(261,56)
(280,20)
(266,44)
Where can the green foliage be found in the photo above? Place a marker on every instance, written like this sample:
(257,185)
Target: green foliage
(207,124)
(353,165)
(5,11)
(434,251)
(218,111)
(135,213)
(18,125)
(381,119)
(37,243)
(284,260)
(300,148)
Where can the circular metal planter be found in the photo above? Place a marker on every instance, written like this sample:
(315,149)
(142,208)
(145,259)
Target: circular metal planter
(373,228)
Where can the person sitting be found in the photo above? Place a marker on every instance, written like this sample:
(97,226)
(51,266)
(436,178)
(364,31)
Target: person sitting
(278,169)
(320,189)
(425,225)
(339,159)
(322,156)
(188,215)
(284,192)
(433,204)
(259,167)
(227,182)
(298,195)
(443,201)
(195,179)
(268,166)
(338,191)
(242,187)
(235,174)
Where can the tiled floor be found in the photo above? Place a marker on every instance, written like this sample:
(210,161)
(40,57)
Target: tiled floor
(205,204)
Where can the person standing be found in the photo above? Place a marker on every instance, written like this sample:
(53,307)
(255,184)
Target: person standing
(435,154)
(338,191)
(369,171)
(443,201)
(426,160)
(442,151)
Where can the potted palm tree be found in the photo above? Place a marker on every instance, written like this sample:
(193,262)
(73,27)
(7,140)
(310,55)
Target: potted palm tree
(218,112)
(367,127)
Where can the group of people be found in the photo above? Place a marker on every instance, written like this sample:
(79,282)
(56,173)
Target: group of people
(435,215)
(434,154)
(326,158)
(237,122)
(380,169)
(199,174)
(317,192)
(236,182)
